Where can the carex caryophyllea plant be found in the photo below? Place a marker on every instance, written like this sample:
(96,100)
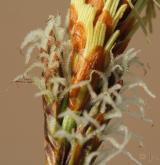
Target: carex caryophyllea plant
(84,77)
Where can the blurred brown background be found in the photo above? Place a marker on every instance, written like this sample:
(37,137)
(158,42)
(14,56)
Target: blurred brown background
(21,118)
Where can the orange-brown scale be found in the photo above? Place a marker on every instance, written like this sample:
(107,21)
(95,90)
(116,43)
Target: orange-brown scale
(72,58)
(77,63)
(95,61)
(78,38)
(98,4)
(106,18)
(73,16)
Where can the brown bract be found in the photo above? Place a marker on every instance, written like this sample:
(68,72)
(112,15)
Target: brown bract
(126,27)
(120,47)
(106,18)
(123,40)
(78,37)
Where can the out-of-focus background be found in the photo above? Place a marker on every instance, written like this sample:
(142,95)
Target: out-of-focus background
(21,117)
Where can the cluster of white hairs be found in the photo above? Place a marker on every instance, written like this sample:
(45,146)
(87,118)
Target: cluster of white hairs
(120,106)
(119,66)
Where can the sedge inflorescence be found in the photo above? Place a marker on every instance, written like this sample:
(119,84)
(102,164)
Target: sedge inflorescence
(84,78)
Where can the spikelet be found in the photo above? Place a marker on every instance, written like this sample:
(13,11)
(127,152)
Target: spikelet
(84,79)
